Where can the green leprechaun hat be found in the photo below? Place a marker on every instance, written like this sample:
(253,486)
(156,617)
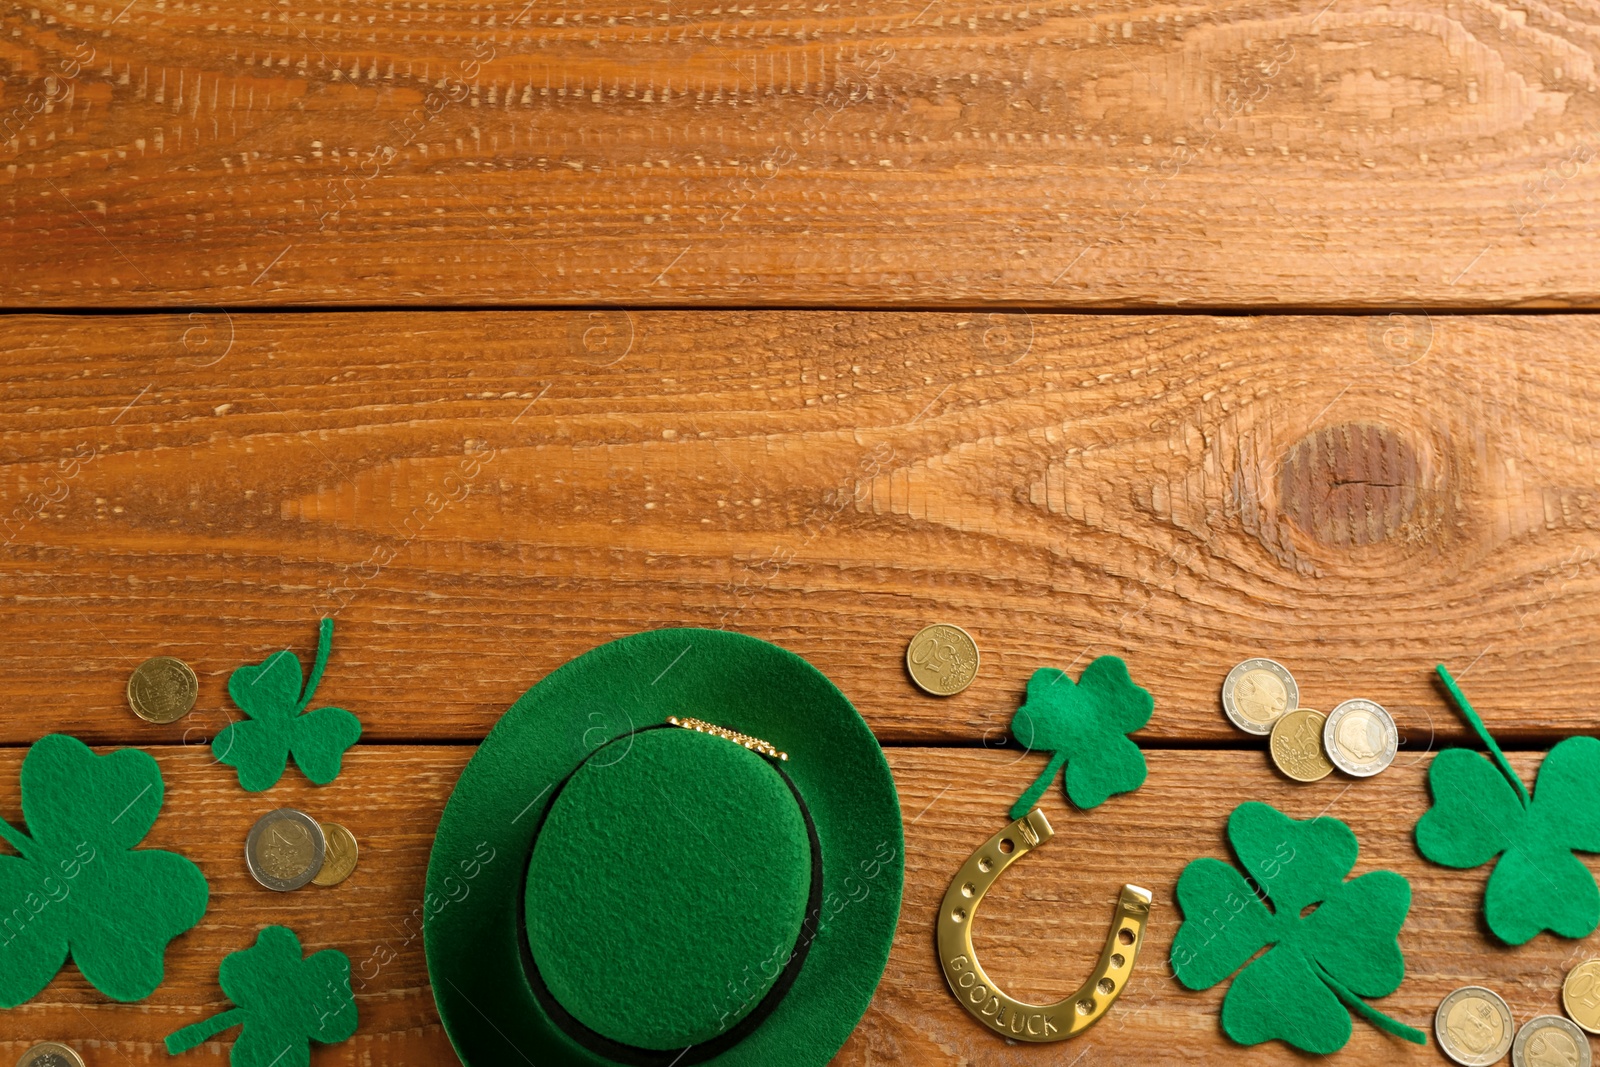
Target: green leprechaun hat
(681,847)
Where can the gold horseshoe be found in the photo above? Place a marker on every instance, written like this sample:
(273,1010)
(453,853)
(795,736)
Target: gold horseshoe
(977,992)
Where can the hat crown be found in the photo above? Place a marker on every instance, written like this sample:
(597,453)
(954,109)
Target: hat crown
(667,888)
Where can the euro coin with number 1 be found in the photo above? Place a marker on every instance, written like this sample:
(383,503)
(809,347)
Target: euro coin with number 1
(1296,746)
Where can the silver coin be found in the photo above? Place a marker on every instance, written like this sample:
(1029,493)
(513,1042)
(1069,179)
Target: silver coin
(50,1054)
(1550,1041)
(285,849)
(1474,1026)
(1360,737)
(1257,693)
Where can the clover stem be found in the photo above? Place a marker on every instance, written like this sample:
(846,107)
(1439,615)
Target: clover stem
(15,838)
(1483,732)
(1371,1014)
(204,1030)
(324,645)
(1026,802)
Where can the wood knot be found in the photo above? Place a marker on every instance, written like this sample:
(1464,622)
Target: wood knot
(1351,484)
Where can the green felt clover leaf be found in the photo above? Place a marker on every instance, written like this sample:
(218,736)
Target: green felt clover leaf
(79,885)
(1481,810)
(1084,725)
(283,1002)
(1343,950)
(269,693)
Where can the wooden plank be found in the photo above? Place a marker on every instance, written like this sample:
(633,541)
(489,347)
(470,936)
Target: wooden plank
(1040,930)
(479,497)
(871,152)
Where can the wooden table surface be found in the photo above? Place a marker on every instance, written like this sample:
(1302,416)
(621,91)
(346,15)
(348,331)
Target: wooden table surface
(1180,333)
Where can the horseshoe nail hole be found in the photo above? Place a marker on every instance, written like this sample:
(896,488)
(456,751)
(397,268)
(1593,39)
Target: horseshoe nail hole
(1007,846)
(959,915)
(1125,936)
(986,865)
(1106,986)
(968,890)
(1085,1006)
(1117,961)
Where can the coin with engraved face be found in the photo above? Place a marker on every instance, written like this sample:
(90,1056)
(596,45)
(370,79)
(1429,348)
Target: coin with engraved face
(1296,746)
(50,1054)
(942,659)
(1580,995)
(1360,737)
(1257,693)
(1550,1041)
(285,849)
(162,689)
(1474,1027)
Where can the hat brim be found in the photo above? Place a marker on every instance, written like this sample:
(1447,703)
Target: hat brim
(478,863)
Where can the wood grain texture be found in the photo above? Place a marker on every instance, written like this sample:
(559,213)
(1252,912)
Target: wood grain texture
(480,497)
(1039,932)
(870,152)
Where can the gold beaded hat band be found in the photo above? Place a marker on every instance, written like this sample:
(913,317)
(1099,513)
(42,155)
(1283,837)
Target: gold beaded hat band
(755,744)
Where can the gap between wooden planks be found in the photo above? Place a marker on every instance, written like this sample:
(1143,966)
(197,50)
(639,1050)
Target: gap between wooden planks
(1039,933)
(480,497)
(873,152)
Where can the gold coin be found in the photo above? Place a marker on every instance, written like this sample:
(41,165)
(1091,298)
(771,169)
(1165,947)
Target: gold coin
(942,659)
(1297,746)
(162,690)
(340,858)
(50,1054)
(1580,995)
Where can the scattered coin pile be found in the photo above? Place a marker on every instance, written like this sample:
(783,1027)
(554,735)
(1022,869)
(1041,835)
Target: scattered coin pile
(286,849)
(162,690)
(50,1054)
(1475,1028)
(1358,737)
(942,659)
